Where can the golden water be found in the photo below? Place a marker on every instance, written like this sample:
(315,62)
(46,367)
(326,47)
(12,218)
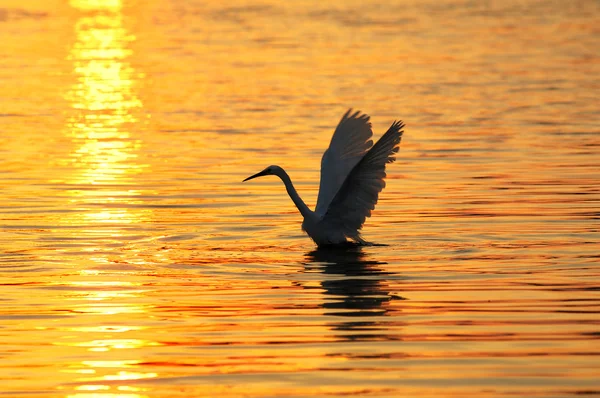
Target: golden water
(134,263)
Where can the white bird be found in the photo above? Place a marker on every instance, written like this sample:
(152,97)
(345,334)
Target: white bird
(352,176)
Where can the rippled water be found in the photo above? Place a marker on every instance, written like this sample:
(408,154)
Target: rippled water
(134,263)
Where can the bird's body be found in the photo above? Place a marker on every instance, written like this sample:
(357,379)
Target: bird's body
(352,176)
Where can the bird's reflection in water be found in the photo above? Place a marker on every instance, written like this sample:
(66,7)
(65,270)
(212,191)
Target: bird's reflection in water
(356,286)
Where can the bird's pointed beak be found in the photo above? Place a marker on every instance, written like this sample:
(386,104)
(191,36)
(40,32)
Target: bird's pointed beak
(262,173)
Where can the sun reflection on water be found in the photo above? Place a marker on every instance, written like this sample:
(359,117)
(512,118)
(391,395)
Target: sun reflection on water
(104,124)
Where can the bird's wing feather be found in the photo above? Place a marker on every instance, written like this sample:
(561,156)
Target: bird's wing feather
(350,141)
(359,193)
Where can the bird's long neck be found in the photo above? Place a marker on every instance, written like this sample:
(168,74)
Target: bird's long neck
(304,210)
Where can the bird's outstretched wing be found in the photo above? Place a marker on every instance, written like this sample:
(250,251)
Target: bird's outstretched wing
(350,141)
(359,193)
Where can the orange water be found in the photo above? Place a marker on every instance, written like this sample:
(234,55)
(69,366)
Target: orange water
(134,263)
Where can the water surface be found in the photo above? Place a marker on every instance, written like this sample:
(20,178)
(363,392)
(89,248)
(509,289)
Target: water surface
(134,263)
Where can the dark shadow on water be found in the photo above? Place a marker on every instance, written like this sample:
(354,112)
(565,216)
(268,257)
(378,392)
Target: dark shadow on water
(355,286)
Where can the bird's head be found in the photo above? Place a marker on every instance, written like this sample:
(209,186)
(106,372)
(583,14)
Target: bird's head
(271,170)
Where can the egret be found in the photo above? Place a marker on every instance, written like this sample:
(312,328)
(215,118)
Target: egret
(352,176)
